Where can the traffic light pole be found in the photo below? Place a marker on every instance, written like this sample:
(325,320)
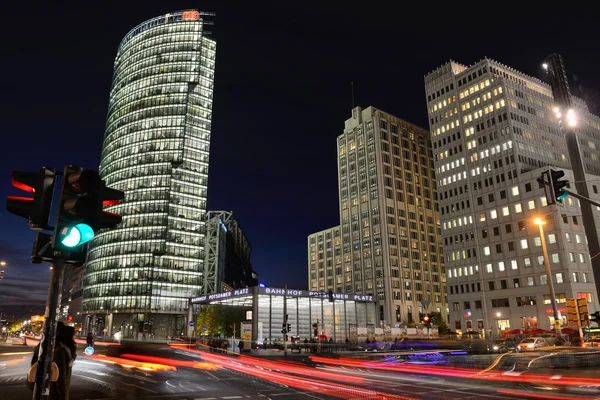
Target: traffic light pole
(562,96)
(285,320)
(41,389)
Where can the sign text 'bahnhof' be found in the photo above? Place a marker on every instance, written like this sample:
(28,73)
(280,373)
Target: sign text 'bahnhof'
(281,292)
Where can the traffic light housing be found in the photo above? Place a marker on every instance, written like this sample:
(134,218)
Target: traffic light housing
(80,212)
(37,208)
(594,317)
(558,186)
(289,328)
(283,326)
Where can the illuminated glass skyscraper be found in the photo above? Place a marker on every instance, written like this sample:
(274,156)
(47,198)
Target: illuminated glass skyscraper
(140,275)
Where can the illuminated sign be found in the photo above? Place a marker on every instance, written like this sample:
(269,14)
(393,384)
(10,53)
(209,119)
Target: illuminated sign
(282,292)
(560,310)
(189,15)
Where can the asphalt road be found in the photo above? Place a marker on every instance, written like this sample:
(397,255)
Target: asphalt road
(158,371)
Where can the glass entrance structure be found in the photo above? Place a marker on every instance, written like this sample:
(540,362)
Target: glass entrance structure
(334,316)
(140,275)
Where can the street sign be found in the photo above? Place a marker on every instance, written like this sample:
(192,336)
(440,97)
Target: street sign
(204,328)
(191,323)
(89,351)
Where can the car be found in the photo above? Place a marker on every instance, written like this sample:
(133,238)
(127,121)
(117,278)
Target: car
(591,343)
(502,346)
(531,344)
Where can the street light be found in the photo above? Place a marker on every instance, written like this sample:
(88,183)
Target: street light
(540,222)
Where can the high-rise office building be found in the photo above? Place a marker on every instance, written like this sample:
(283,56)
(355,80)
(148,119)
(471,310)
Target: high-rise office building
(388,243)
(494,131)
(140,275)
(228,251)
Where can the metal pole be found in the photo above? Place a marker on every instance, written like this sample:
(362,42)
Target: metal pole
(41,390)
(285,320)
(562,96)
(550,282)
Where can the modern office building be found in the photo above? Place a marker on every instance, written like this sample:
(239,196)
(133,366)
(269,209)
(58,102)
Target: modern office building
(71,303)
(228,251)
(494,131)
(140,275)
(388,244)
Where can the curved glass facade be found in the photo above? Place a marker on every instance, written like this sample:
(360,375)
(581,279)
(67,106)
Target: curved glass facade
(156,150)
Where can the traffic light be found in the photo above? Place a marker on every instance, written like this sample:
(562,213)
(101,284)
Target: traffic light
(558,185)
(283,326)
(289,328)
(36,208)
(595,317)
(80,212)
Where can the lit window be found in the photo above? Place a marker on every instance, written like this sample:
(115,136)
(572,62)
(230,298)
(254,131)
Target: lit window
(544,201)
(544,281)
(527,262)
(513,264)
(523,244)
(588,296)
(552,238)
(489,268)
(575,277)
(531,204)
(568,237)
(530,281)
(486,250)
(501,266)
(577,238)
(481,217)
(493,214)
(581,259)
(555,258)
(537,241)
(515,190)
(518,208)
(505,211)
(559,277)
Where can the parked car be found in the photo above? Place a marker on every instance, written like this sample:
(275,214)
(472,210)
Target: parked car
(531,344)
(591,343)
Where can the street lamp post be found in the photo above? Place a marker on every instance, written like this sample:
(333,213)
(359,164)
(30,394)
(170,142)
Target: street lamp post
(540,222)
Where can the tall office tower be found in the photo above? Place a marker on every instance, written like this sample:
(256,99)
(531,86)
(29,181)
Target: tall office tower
(494,131)
(156,149)
(228,251)
(388,243)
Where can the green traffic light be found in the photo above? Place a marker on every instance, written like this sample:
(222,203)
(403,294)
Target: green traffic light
(77,235)
(563,196)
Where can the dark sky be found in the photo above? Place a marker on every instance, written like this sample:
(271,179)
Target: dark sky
(282,93)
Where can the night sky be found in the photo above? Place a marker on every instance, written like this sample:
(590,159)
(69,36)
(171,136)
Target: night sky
(282,94)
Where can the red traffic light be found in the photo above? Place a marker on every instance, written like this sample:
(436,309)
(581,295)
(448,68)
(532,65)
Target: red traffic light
(36,208)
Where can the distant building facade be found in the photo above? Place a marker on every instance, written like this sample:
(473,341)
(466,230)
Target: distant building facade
(388,243)
(494,131)
(228,253)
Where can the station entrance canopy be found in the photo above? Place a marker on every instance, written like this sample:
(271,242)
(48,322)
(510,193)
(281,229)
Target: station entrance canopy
(309,312)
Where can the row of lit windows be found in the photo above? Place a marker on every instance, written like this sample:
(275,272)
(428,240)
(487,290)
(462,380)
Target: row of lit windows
(475,88)
(440,104)
(457,222)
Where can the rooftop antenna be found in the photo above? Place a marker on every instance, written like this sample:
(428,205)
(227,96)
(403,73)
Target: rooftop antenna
(352,90)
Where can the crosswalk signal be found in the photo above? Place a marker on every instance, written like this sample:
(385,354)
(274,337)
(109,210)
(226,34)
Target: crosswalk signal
(37,208)
(558,186)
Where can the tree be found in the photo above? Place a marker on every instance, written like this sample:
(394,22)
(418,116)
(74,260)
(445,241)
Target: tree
(211,317)
(439,321)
